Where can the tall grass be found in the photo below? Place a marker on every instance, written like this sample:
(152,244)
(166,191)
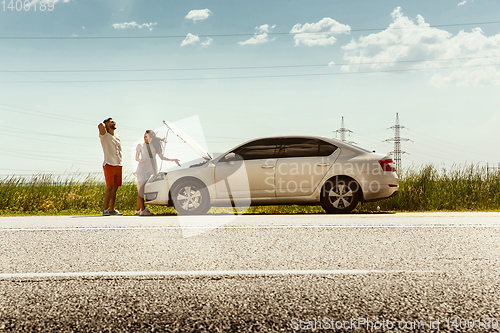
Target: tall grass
(462,188)
(46,194)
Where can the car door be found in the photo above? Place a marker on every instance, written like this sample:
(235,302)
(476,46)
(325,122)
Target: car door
(304,163)
(258,160)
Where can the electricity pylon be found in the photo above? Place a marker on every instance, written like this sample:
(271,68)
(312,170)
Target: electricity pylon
(397,143)
(342,130)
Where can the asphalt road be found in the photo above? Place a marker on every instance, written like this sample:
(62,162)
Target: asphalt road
(374,273)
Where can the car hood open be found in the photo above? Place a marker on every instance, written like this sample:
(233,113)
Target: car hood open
(187,139)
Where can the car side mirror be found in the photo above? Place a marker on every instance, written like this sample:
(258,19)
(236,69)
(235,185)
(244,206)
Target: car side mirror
(230,157)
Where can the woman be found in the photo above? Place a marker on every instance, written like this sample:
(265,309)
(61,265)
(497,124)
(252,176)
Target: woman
(146,156)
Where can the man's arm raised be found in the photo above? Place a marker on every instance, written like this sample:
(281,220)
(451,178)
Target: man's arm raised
(102,128)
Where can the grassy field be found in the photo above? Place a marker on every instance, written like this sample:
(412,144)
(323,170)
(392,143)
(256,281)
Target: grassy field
(466,188)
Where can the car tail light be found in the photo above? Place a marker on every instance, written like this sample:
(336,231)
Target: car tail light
(387,165)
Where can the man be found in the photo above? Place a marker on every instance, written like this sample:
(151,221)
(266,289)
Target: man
(112,165)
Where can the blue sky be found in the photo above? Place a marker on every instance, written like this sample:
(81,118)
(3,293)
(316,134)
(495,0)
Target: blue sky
(310,64)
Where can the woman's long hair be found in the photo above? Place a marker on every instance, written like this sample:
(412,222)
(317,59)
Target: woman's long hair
(155,141)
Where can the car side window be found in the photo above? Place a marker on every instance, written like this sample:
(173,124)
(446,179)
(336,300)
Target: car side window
(259,149)
(326,148)
(303,147)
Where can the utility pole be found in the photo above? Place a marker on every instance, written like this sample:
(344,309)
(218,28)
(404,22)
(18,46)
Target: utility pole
(342,130)
(397,143)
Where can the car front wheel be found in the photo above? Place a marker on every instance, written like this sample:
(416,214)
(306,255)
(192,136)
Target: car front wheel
(191,198)
(340,195)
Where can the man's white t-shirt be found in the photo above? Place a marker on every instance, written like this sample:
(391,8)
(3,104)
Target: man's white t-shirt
(112,148)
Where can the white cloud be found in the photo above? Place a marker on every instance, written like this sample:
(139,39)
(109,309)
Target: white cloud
(405,41)
(195,39)
(207,42)
(190,40)
(319,33)
(331,64)
(265,28)
(260,36)
(133,24)
(198,14)
(464,2)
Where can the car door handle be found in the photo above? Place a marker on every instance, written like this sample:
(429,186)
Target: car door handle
(323,164)
(267,166)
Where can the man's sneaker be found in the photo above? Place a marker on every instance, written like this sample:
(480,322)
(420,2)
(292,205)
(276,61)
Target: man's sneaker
(137,212)
(105,212)
(115,212)
(146,212)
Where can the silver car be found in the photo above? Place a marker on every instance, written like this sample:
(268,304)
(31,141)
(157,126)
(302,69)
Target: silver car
(282,170)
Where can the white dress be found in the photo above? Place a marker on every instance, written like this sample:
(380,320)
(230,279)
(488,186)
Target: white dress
(149,167)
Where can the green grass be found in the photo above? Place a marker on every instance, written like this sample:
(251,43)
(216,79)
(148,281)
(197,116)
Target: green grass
(463,188)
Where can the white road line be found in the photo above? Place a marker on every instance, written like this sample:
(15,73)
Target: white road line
(254,227)
(200,273)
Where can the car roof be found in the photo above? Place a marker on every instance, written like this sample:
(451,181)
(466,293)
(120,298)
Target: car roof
(294,136)
(338,143)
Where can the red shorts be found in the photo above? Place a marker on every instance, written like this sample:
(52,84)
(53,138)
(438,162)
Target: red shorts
(113,175)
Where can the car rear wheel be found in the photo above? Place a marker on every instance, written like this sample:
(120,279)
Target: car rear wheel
(340,195)
(191,198)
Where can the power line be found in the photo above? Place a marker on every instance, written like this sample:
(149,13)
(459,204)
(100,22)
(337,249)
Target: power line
(53,153)
(159,69)
(52,115)
(51,159)
(45,133)
(443,153)
(177,104)
(240,67)
(441,157)
(243,34)
(460,148)
(38,139)
(252,77)
(44,114)
(163,103)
